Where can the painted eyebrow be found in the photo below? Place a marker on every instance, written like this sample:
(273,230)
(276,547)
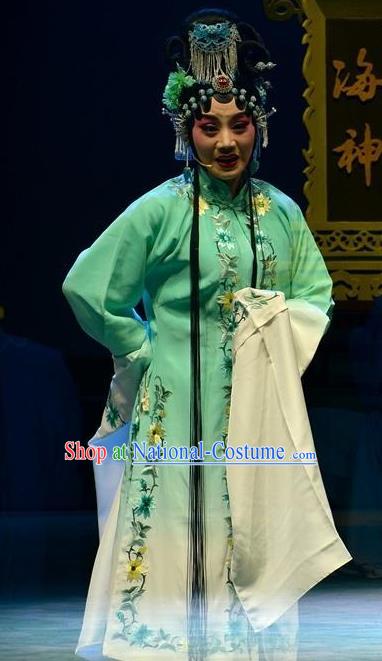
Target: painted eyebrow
(240,115)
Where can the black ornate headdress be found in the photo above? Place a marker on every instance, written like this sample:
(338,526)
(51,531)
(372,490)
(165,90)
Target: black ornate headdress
(223,59)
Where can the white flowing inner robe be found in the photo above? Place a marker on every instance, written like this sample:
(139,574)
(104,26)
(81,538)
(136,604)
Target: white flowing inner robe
(285,540)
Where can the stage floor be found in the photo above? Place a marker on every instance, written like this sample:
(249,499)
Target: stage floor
(339,619)
(44,577)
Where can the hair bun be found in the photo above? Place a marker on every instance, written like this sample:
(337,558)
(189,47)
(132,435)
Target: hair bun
(176,51)
(251,49)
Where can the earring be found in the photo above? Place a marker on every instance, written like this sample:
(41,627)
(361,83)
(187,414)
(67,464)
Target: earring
(254,166)
(187,172)
(255,162)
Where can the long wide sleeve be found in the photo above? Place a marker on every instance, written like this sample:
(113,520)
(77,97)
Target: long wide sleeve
(310,304)
(107,281)
(286,540)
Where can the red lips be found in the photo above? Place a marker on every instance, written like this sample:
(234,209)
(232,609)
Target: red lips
(227,157)
(228,161)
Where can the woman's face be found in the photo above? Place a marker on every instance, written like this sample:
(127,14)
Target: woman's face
(224,138)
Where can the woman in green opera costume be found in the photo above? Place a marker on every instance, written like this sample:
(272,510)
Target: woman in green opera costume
(161,586)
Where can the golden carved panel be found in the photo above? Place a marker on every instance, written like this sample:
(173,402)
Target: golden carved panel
(349,242)
(350,283)
(343,70)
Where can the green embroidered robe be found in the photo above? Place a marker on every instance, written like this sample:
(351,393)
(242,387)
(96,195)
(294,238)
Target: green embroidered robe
(144,253)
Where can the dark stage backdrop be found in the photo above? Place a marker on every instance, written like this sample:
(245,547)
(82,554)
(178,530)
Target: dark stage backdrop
(85,137)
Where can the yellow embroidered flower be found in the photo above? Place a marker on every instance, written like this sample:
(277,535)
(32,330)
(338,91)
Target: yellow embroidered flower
(145,401)
(162,413)
(135,569)
(226,300)
(142,549)
(156,433)
(203,206)
(262,203)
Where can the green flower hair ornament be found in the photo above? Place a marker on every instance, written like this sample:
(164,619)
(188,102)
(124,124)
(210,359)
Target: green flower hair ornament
(176,83)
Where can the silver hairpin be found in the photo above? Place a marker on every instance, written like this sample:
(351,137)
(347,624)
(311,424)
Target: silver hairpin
(262,66)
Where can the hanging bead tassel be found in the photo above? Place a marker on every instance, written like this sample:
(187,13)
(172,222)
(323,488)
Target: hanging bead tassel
(187,172)
(213,50)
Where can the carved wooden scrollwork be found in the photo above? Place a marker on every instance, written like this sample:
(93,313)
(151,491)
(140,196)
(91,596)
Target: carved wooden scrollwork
(339,242)
(356,286)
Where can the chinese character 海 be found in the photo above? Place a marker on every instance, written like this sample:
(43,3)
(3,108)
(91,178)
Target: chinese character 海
(366,83)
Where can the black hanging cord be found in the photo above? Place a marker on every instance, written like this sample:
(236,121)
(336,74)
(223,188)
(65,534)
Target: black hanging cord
(252,230)
(196,562)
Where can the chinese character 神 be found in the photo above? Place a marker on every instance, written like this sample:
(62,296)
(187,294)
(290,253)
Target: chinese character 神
(367,152)
(366,83)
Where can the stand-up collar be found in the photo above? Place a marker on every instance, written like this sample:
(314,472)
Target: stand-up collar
(217,191)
